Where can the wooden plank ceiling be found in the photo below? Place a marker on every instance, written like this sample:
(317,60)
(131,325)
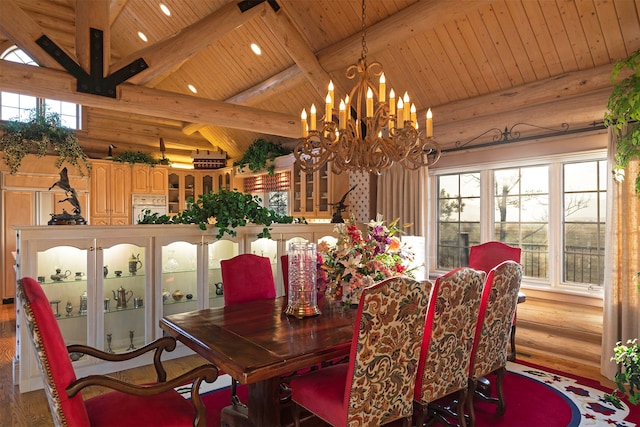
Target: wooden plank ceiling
(446,54)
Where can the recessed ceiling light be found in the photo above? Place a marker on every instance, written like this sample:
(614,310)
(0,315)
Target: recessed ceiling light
(256,49)
(142,36)
(193,89)
(165,9)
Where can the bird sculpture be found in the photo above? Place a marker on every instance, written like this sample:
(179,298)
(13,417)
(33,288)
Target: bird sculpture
(72,197)
(340,207)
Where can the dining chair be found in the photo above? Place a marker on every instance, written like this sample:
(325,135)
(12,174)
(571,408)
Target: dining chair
(450,326)
(486,256)
(245,278)
(156,404)
(490,345)
(376,386)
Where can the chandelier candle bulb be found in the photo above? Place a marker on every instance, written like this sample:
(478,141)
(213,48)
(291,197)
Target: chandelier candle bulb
(303,121)
(414,119)
(400,114)
(342,116)
(407,107)
(429,123)
(329,109)
(383,89)
(312,119)
(331,94)
(392,108)
(369,103)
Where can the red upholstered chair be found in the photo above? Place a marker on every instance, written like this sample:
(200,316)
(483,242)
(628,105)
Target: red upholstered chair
(489,354)
(486,256)
(376,386)
(246,277)
(155,404)
(446,346)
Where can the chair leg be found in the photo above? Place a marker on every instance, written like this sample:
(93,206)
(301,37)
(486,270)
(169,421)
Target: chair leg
(473,384)
(419,413)
(502,404)
(512,343)
(295,409)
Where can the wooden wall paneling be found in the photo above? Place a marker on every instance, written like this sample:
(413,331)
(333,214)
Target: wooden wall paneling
(18,209)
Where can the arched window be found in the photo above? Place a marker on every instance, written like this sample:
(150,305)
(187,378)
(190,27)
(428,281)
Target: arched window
(18,106)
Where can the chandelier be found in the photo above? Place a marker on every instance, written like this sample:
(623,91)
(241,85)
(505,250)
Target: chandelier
(380,134)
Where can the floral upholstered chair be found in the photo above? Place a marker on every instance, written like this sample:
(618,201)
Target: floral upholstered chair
(490,346)
(155,404)
(446,347)
(376,386)
(486,256)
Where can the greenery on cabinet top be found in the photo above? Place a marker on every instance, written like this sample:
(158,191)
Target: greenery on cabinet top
(139,157)
(43,133)
(261,154)
(225,210)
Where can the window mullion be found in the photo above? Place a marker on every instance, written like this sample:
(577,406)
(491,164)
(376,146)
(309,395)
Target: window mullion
(556,220)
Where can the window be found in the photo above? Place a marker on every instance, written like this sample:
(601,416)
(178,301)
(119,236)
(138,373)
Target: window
(15,106)
(545,209)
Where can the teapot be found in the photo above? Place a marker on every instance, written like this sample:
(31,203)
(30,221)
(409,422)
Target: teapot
(59,276)
(122,297)
(134,264)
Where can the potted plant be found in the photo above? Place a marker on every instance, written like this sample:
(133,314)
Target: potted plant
(260,155)
(43,133)
(624,112)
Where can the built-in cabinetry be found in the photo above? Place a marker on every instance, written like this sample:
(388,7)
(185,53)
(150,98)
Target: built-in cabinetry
(148,179)
(27,200)
(110,286)
(186,184)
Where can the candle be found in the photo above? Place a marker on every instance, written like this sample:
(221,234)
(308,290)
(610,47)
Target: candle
(369,103)
(414,119)
(329,109)
(312,119)
(400,115)
(331,94)
(392,108)
(407,107)
(383,89)
(342,115)
(303,120)
(429,123)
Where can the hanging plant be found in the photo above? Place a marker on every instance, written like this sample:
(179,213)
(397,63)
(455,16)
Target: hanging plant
(139,157)
(225,210)
(261,154)
(41,134)
(624,112)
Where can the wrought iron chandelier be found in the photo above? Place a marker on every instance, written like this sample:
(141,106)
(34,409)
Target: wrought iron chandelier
(381,134)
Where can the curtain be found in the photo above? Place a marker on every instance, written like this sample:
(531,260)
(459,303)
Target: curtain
(402,194)
(622,248)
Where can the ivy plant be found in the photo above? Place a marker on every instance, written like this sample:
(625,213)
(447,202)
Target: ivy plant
(138,157)
(41,134)
(225,210)
(624,111)
(261,154)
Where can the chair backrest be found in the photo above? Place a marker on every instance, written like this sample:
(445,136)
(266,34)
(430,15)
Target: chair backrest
(487,255)
(51,354)
(385,350)
(498,305)
(284,263)
(247,277)
(449,331)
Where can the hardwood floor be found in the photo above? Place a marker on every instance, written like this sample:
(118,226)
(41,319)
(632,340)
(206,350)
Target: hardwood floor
(31,409)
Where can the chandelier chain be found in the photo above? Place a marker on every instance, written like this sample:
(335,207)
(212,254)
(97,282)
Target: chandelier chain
(365,50)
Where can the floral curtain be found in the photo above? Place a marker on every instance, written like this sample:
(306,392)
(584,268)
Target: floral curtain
(403,194)
(622,263)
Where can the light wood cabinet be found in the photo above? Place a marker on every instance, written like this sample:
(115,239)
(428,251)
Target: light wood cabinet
(110,193)
(185,184)
(313,193)
(149,179)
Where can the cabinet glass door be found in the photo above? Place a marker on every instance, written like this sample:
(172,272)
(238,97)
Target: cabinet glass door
(125,271)
(189,188)
(174,193)
(179,277)
(62,272)
(216,252)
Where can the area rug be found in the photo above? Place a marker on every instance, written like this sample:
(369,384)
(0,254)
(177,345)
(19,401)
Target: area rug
(536,397)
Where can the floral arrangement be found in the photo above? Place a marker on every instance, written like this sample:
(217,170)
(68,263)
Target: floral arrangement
(358,261)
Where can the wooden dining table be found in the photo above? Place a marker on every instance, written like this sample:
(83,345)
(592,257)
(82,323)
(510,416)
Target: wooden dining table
(256,343)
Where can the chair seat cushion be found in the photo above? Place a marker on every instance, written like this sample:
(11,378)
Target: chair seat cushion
(123,410)
(322,392)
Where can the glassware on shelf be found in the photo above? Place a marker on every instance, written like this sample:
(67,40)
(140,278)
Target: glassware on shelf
(69,308)
(109,337)
(172,264)
(131,346)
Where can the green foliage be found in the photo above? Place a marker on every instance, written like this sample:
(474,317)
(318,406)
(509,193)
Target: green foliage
(628,378)
(42,133)
(225,210)
(259,153)
(624,110)
(138,157)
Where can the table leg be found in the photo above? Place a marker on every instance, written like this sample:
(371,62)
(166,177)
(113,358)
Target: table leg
(263,406)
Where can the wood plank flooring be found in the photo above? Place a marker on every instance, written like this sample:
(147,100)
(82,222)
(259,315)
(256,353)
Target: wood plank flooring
(31,409)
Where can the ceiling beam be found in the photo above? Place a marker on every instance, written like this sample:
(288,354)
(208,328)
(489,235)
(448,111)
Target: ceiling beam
(169,54)
(92,14)
(38,81)
(115,8)
(281,82)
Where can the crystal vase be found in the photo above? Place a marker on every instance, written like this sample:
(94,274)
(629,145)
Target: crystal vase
(303,295)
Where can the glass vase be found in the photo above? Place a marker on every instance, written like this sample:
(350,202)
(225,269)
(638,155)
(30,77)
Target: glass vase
(303,295)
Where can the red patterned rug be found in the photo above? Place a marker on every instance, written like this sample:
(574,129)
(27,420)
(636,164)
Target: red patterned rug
(536,397)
